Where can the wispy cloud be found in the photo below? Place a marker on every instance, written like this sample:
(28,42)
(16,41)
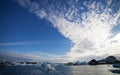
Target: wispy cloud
(11,55)
(22,43)
(87,24)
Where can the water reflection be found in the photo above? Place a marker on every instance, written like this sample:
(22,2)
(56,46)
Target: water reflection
(115,71)
(33,70)
(61,70)
(93,70)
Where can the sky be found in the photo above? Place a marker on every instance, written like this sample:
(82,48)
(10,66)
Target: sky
(59,30)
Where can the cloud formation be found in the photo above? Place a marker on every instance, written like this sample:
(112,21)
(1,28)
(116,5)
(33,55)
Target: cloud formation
(10,55)
(88,24)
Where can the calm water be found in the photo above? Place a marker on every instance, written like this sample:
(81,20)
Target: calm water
(95,70)
(72,70)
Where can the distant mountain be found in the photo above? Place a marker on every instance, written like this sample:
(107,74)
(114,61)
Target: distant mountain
(108,60)
(76,63)
(93,62)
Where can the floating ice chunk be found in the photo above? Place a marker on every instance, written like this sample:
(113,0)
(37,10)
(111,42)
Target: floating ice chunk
(47,67)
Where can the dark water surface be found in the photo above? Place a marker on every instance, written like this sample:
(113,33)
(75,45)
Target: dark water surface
(71,70)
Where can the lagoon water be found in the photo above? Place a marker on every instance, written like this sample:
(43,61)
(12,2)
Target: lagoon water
(70,70)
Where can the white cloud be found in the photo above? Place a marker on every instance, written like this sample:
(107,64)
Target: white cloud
(41,13)
(32,6)
(90,30)
(109,2)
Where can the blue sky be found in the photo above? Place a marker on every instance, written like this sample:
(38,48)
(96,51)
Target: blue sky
(19,25)
(62,29)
